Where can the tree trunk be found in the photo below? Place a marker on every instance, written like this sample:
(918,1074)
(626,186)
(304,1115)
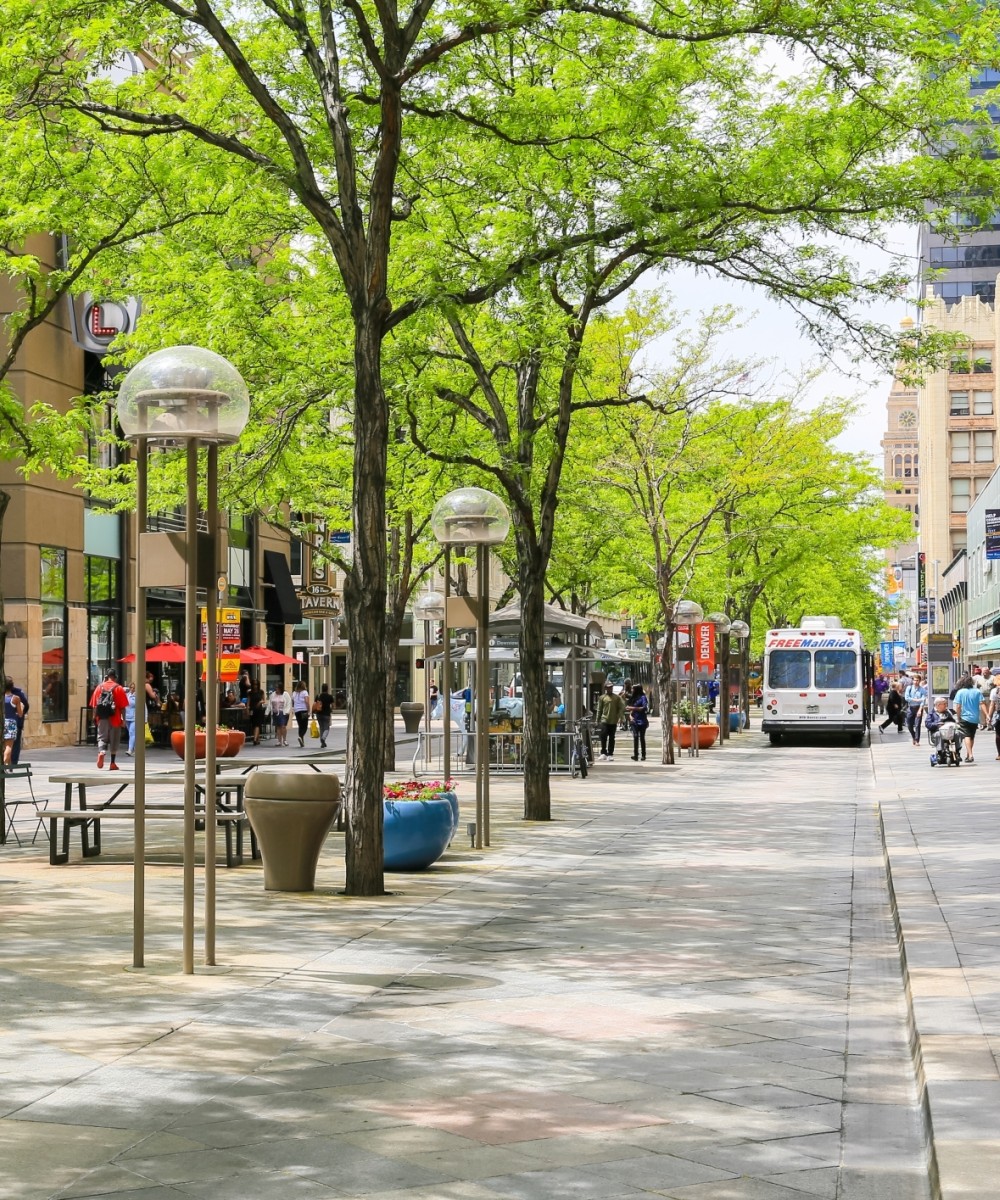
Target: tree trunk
(537,801)
(667,695)
(365,616)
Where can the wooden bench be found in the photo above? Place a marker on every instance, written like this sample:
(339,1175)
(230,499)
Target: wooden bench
(87,817)
(10,804)
(94,817)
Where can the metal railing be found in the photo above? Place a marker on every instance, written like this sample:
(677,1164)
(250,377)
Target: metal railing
(506,753)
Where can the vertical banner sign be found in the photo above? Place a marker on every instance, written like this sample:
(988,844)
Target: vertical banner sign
(993,533)
(229,644)
(921,576)
(704,646)
(885,655)
(228,641)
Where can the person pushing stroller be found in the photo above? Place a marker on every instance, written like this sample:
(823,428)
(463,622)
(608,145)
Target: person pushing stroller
(944,733)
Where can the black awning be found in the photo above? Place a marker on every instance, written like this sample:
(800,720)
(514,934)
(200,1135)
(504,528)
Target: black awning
(281,605)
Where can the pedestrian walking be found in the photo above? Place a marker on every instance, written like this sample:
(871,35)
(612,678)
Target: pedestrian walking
(879,688)
(152,695)
(281,710)
(130,718)
(13,710)
(25,708)
(970,708)
(916,700)
(323,708)
(638,710)
(895,707)
(993,715)
(610,710)
(258,710)
(300,707)
(109,702)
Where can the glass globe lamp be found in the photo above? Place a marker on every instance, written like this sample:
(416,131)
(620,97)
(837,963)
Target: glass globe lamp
(181,393)
(721,622)
(739,629)
(470,517)
(429,607)
(688,612)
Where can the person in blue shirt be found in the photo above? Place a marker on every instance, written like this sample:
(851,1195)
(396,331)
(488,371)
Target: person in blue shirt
(970,708)
(916,700)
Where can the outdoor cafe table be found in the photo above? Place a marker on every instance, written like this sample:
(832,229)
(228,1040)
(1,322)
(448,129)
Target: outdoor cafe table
(119,783)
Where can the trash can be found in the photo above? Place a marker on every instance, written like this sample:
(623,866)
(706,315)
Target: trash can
(412,714)
(291,813)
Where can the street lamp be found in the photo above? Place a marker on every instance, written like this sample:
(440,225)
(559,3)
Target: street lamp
(429,608)
(474,517)
(182,396)
(690,613)
(741,631)
(722,626)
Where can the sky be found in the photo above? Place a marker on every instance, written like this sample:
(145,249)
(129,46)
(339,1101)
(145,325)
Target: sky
(771,331)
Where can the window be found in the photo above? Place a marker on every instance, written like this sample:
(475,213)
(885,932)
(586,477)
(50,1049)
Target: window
(960,444)
(965,256)
(907,466)
(788,669)
(961,495)
(897,466)
(982,404)
(982,361)
(103,619)
(959,404)
(955,291)
(983,444)
(836,669)
(52,593)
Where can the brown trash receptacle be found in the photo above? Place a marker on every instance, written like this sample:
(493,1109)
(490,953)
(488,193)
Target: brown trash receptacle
(291,812)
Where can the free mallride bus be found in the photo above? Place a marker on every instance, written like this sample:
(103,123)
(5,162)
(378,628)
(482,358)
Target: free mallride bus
(817,679)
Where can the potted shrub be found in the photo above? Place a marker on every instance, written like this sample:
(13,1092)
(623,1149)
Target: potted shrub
(235,739)
(688,717)
(419,821)
(221,742)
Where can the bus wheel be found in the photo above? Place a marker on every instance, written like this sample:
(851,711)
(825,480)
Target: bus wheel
(775,738)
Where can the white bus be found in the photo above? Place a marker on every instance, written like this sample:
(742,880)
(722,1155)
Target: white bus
(817,679)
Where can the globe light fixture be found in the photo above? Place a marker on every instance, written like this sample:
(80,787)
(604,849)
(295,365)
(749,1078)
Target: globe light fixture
(739,629)
(180,393)
(688,612)
(182,396)
(429,607)
(470,517)
(721,622)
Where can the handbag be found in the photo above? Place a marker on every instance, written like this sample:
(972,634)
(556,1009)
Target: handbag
(314,727)
(148,735)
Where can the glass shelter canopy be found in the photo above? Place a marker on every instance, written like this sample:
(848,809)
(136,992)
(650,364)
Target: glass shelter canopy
(182,393)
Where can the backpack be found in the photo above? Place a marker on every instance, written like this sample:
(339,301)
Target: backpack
(105,708)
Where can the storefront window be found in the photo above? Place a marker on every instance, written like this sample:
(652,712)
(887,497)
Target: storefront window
(54,625)
(102,616)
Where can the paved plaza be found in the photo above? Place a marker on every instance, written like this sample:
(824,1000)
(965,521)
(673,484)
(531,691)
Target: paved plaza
(688,984)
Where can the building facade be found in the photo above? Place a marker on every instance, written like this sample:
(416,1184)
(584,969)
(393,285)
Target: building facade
(67,568)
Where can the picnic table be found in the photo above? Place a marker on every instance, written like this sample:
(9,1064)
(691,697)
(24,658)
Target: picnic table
(87,816)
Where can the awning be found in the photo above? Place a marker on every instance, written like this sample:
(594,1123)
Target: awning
(557,620)
(985,647)
(511,654)
(281,605)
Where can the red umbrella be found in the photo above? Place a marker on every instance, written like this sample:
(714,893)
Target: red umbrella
(172,652)
(261,654)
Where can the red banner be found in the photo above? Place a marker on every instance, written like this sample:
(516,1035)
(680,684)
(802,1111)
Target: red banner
(704,646)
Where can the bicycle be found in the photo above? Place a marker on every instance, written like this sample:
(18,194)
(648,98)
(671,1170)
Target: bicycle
(578,754)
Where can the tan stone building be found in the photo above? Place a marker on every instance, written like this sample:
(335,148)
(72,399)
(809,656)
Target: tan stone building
(957,441)
(67,563)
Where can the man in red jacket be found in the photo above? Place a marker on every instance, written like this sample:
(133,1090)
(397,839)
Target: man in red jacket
(109,702)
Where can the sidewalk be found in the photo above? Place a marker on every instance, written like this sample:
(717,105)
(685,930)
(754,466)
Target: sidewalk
(943,837)
(686,985)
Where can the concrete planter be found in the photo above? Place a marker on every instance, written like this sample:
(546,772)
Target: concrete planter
(412,714)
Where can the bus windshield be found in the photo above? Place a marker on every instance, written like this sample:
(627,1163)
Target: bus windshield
(789,669)
(836,669)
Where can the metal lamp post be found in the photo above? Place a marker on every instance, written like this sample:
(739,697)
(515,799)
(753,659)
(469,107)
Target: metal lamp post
(741,631)
(688,612)
(182,396)
(475,517)
(428,608)
(722,626)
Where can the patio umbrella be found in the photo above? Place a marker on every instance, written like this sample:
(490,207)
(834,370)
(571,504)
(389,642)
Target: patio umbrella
(167,652)
(262,655)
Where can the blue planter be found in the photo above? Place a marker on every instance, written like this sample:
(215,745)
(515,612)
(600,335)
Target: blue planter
(453,801)
(415,833)
(735,721)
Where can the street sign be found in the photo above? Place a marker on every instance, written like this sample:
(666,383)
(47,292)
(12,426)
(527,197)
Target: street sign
(993,533)
(633,635)
(922,576)
(926,610)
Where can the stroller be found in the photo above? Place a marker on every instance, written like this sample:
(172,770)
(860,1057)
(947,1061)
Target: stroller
(946,743)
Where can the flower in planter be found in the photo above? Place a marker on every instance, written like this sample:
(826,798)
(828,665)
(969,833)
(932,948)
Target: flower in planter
(417,789)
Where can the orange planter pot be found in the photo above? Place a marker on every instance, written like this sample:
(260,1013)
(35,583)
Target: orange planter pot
(706,735)
(236,739)
(221,743)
